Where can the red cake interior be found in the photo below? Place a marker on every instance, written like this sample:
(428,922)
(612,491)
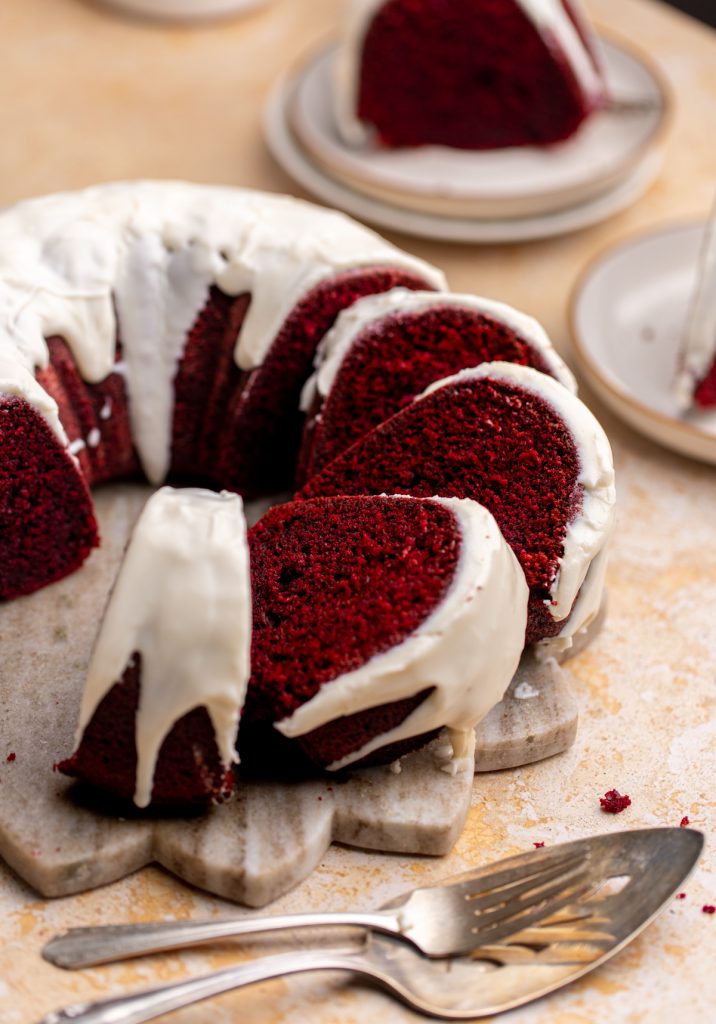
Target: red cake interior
(207,380)
(47,526)
(256,443)
(484,439)
(394,360)
(189,770)
(705,392)
(473,74)
(87,409)
(336,582)
(230,429)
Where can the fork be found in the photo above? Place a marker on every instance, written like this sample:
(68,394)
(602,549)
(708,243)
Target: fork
(477,908)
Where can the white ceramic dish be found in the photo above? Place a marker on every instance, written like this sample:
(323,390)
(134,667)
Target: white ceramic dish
(184,10)
(470,230)
(627,314)
(516,182)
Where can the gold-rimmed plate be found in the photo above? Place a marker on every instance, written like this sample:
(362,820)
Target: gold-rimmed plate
(498,184)
(290,155)
(628,313)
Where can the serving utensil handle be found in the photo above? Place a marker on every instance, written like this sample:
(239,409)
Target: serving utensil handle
(86,947)
(150,1003)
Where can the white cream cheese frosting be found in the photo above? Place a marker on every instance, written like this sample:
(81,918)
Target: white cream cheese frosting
(366,312)
(182,601)
(587,535)
(549,17)
(467,649)
(141,257)
(698,349)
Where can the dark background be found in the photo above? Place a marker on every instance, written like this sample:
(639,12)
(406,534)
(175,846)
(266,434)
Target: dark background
(703,9)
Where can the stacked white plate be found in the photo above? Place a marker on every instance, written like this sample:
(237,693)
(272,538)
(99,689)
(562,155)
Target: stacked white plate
(184,10)
(459,195)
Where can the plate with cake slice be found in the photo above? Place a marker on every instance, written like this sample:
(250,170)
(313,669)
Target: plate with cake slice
(643,323)
(491,183)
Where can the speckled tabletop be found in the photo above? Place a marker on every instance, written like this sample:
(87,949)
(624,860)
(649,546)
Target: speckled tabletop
(91,97)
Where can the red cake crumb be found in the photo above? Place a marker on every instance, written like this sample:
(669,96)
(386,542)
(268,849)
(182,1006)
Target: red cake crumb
(12,756)
(614,802)
(681,896)
(538,846)
(684,822)
(708,909)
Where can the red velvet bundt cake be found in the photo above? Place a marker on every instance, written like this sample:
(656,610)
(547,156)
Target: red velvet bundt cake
(161,327)
(377,621)
(471,74)
(527,449)
(386,349)
(696,379)
(168,674)
(168,329)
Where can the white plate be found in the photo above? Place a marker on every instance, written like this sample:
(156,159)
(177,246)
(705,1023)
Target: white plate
(184,10)
(515,182)
(628,314)
(289,154)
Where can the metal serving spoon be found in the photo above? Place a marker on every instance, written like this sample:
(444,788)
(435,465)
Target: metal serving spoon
(632,875)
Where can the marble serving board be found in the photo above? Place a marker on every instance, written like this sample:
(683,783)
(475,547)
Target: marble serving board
(271,834)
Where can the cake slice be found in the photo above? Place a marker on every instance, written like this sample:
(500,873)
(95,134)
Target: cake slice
(169,669)
(696,378)
(386,349)
(377,622)
(519,443)
(471,74)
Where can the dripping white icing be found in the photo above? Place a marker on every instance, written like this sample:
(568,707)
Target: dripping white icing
(182,600)
(468,649)
(151,251)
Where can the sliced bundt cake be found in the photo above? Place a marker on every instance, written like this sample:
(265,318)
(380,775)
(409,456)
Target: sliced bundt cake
(386,349)
(165,328)
(527,449)
(377,621)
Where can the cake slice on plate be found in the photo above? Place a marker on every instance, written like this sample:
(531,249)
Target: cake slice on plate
(471,74)
(696,378)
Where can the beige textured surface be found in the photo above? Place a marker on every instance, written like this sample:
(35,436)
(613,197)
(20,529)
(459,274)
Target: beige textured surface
(92,98)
